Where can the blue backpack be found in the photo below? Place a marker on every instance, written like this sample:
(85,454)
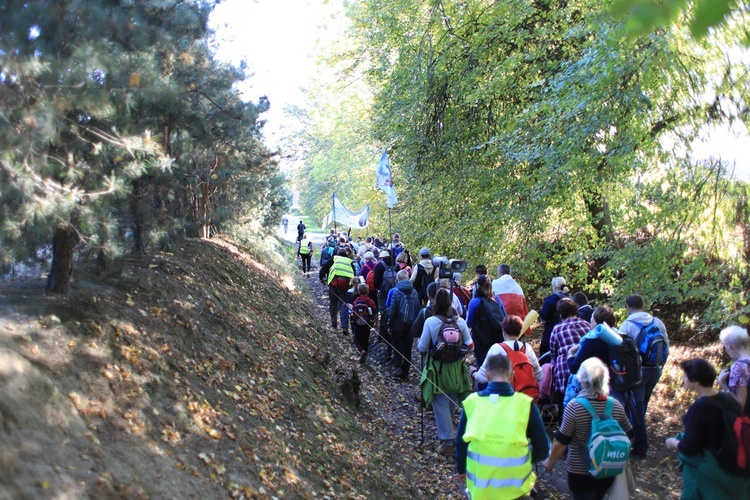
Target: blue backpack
(651,344)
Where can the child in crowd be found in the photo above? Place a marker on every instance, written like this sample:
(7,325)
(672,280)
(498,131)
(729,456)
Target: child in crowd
(363,315)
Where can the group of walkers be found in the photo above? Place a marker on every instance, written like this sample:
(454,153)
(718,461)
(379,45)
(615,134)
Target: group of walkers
(590,372)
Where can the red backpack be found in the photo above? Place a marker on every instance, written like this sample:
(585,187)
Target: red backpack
(523,371)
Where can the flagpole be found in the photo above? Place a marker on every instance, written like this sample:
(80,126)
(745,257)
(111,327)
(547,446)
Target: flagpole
(390,230)
(333,206)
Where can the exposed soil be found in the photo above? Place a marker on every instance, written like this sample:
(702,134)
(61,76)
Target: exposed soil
(211,372)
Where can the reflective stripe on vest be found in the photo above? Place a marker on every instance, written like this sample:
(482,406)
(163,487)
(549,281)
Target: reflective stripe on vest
(342,266)
(304,247)
(498,462)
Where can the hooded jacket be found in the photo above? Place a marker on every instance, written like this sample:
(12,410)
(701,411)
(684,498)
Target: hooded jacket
(402,291)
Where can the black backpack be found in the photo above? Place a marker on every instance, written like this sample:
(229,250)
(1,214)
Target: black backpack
(449,347)
(624,365)
(361,313)
(422,280)
(389,279)
(734,451)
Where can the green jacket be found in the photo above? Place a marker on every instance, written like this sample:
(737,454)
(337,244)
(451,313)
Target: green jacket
(704,479)
(449,377)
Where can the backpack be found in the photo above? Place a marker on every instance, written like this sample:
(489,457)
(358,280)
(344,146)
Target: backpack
(408,308)
(369,281)
(607,450)
(652,345)
(389,279)
(448,347)
(624,365)
(734,451)
(463,294)
(523,371)
(361,313)
(340,283)
(422,280)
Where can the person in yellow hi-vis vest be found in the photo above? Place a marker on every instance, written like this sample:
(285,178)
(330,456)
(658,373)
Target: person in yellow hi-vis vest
(500,436)
(304,251)
(338,273)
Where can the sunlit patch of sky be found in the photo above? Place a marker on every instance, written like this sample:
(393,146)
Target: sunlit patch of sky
(277,39)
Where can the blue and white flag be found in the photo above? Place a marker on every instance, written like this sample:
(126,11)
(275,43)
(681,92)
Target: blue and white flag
(342,215)
(384,180)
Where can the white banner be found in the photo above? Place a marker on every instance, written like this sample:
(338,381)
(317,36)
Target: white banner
(384,180)
(345,217)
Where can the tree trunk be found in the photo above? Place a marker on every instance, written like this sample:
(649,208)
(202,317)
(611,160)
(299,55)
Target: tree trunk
(139,223)
(601,218)
(58,280)
(743,220)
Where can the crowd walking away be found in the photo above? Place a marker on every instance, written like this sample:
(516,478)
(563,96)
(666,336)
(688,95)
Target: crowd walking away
(589,383)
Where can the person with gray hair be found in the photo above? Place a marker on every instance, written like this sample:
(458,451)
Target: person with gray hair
(575,428)
(735,379)
(507,290)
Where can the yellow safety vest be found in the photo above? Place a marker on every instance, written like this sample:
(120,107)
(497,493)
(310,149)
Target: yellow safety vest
(498,462)
(304,247)
(342,267)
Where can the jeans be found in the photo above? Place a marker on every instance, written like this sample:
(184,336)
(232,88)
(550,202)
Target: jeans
(444,408)
(337,300)
(641,396)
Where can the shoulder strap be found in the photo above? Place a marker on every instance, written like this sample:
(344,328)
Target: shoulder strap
(610,407)
(589,408)
(505,347)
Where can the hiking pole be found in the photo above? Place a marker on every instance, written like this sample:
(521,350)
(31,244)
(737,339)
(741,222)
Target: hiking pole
(421,401)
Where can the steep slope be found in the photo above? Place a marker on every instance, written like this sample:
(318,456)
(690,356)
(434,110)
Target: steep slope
(199,374)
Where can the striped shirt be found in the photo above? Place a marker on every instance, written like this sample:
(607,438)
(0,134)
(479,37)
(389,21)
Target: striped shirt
(576,426)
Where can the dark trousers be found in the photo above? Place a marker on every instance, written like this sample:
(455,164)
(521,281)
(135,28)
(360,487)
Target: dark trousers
(361,337)
(403,341)
(306,260)
(585,487)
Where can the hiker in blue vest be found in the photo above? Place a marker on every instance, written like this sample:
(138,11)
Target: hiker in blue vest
(575,429)
(704,476)
(637,321)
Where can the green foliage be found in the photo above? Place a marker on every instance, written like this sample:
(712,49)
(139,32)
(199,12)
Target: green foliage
(122,125)
(643,16)
(545,135)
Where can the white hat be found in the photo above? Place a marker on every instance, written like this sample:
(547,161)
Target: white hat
(384,254)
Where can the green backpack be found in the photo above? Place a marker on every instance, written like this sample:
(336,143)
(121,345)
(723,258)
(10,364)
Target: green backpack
(608,449)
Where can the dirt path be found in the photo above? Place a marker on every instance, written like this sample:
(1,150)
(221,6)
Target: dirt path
(385,399)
